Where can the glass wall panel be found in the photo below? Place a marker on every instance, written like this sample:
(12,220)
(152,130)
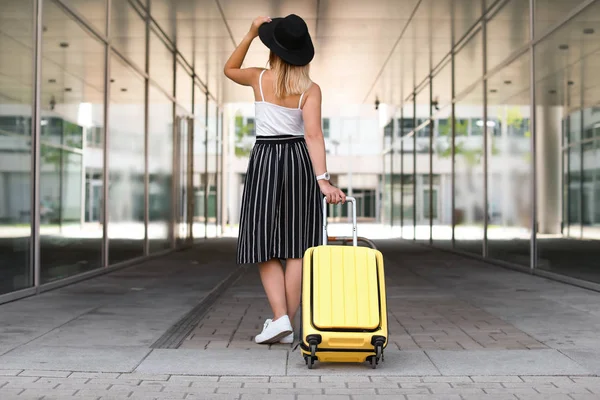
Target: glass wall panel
(466,14)
(161,63)
(93,11)
(442,176)
(422,182)
(126,164)
(421,28)
(128,32)
(72,138)
(395,170)
(469,212)
(211,197)
(160,154)
(550,12)
(184,88)
(16,81)
(387,189)
(407,148)
(509,168)
(507,31)
(469,63)
(442,88)
(199,160)
(441,30)
(567,82)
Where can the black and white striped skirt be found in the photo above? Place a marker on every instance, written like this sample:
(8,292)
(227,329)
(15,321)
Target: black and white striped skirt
(281,203)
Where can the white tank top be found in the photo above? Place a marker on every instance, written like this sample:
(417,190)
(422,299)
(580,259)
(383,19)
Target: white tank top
(273,119)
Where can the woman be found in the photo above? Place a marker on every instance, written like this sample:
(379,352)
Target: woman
(281,213)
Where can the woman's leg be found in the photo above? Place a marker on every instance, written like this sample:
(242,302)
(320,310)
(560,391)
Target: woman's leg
(272,277)
(293,285)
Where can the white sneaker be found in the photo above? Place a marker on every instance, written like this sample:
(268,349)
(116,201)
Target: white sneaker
(289,339)
(273,331)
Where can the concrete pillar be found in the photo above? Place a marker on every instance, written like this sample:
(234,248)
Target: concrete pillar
(549,129)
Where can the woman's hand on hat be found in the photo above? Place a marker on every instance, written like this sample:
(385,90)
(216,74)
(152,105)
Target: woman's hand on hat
(256,24)
(333,194)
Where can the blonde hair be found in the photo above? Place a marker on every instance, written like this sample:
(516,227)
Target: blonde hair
(289,79)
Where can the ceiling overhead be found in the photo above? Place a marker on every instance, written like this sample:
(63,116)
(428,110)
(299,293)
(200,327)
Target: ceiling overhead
(364,49)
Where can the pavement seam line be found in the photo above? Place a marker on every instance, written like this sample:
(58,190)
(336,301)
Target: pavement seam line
(176,334)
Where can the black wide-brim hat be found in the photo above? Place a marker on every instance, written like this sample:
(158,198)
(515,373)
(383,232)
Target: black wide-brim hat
(288,38)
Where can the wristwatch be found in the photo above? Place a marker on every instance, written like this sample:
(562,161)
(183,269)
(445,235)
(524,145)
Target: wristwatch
(324,176)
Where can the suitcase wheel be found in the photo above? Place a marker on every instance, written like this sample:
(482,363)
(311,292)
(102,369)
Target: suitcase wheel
(310,360)
(378,356)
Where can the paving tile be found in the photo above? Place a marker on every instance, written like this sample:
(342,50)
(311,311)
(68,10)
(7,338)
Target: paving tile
(514,362)
(215,362)
(106,359)
(10,372)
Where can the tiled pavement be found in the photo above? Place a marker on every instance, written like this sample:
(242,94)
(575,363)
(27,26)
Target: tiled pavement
(460,329)
(80,385)
(425,320)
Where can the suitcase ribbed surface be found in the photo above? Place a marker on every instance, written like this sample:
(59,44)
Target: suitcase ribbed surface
(345,294)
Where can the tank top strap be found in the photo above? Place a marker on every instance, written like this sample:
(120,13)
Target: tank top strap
(300,102)
(302,95)
(262,96)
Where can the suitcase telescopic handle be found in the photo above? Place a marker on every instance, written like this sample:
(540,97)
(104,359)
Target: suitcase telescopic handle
(351,202)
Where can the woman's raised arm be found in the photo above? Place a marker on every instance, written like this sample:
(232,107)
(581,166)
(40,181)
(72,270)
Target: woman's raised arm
(233,67)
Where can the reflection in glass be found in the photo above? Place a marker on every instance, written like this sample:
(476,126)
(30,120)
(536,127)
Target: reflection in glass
(442,183)
(93,11)
(160,152)
(550,12)
(509,167)
(469,211)
(199,158)
(567,86)
(184,88)
(161,65)
(72,137)
(15,144)
(422,154)
(407,148)
(126,163)
(128,32)
(507,31)
(468,63)
(466,12)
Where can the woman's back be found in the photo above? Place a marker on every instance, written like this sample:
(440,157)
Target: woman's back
(277,116)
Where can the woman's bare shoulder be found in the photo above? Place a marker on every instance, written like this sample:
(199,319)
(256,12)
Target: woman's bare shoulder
(314,90)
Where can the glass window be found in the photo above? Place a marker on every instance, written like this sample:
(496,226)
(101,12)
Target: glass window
(550,12)
(326,132)
(509,167)
(507,31)
(442,170)
(442,88)
(93,11)
(16,80)
(469,211)
(441,30)
(213,150)
(160,156)
(128,32)
(71,172)
(126,201)
(184,88)
(199,157)
(407,147)
(567,117)
(469,63)
(466,13)
(161,63)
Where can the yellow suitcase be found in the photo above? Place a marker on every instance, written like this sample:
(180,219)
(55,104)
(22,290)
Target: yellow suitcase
(344,311)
